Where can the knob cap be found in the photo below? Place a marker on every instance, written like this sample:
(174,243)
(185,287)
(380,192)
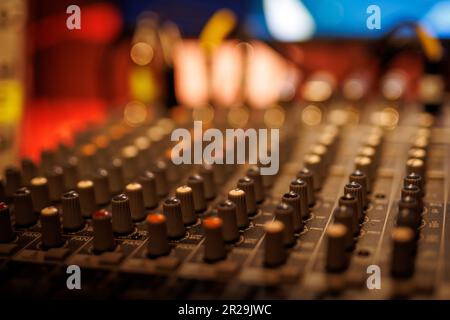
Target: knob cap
(23,208)
(248,185)
(293,199)
(39,193)
(306,175)
(355,189)
(196,183)
(214,242)
(300,187)
(101,187)
(237,196)
(51,228)
(136,197)
(284,213)
(414,179)
(274,250)
(6,231)
(148,182)
(158,243)
(186,196)
(402,260)
(71,208)
(227,212)
(86,192)
(337,258)
(172,211)
(254,173)
(121,215)
(103,231)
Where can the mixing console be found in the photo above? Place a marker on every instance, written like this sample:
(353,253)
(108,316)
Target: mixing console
(357,210)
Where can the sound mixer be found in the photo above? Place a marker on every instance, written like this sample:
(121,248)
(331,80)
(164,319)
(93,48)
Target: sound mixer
(214,244)
(158,243)
(103,231)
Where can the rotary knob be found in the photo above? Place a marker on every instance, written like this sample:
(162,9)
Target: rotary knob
(196,183)
(148,182)
(254,173)
(51,228)
(237,196)
(402,260)
(337,257)
(136,197)
(275,252)
(86,192)
(355,189)
(214,242)
(416,166)
(6,231)
(39,193)
(158,243)
(300,187)
(313,163)
(174,216)
(121,215)
(306,175)
(248,185)
(23,208)
(285,214)
(293,199)
(71,209)
(186,196)
(103,231)
(227,212)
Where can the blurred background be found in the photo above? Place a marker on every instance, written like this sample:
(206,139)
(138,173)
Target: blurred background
(138,58)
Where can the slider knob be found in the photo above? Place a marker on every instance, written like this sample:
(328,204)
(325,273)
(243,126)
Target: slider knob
(103,231)
(214,241)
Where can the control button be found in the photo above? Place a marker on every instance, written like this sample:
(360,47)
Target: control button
(314,164)
(101,187)
(172,211)
(402,260)
(254,173)
(214,242)
(248,185)
(158,243)
(285,214)
(207,173)
(227,212)
(345,216)
(299,187)
(86,192)
(186,196)
(70,173)
(274,251)
(39,193)
(196,183)
(413,192)
(136,197)
(237,196)
(23,208)
(121,215)
(55,180)
(160,172)
(51,228)
(148,183)
(350,201)
(337,257)
(306,175)
(355,189)
(365,165)
(293,199)
(103,231)
(360,178)
(71,212)
(6,231)
(414,179)
(29,171)
(116,176)
(13,180)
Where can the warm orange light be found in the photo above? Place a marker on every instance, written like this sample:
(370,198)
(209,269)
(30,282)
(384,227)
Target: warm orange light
(191,84)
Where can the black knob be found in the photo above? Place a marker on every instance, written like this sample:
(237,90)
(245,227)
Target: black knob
(402,260)
(207,173)
(6,231)
(86,192)
(409,218)
(300,187)
(274,250)
(186,196)
(348,200)
(116,178)
(313,163)
(2,190)
(254,173)
(417,166)
(55,180)
(88,161)
(413,192)
(414,179)
(410,203)
(51,228)
(29,171)
(40,194)
(71,209)
(293,199)
(355,189)
(136,197)
(344,215)
(172,211)
(306,175)
(13,181)
(337,257)
(284,213)
(48,160)
(23,208)
(101,187)
(247,184)
(130,162)
(196,183)
(158,243)
(160,171)
(148,182)
(103,231)
(237,196)
(121,215)
(365,165)
(70,173)
(227,212)
(214,242)
(360,178)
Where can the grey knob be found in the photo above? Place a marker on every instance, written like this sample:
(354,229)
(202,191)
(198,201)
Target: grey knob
(70,173)
(116,176)
(344,215)
(360,178)
(416,180)
(313,163)
(356,190)
(160,171)
(29,171)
